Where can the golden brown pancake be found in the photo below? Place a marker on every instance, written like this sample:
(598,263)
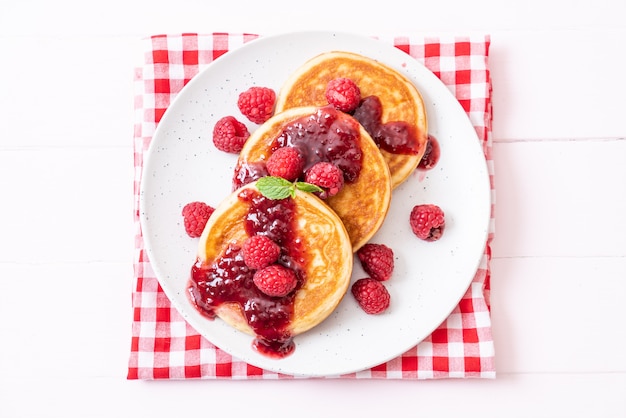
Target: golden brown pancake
(400,99)
(313,242)
(361,204)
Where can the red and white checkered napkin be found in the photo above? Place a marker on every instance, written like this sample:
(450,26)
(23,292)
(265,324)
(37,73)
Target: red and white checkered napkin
(164,346)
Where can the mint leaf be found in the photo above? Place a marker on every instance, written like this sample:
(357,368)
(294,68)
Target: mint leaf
(278,188)
(275,187)
(308,187)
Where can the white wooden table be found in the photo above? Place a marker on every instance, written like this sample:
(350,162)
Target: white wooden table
(66,232)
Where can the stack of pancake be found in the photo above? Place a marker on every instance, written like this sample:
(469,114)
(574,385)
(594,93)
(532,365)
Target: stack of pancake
(334,228)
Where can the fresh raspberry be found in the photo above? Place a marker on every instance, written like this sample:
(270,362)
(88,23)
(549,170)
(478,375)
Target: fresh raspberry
(195,217)
(257,104)
(229,135)
(259,251)
(427,221)
(371,295)
(377,261)
(285,162)
(343,94)
(275,280)
(327,176)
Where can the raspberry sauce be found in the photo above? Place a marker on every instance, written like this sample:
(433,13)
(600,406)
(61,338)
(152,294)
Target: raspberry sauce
(431,155)
(396,137)
(228,280)
(247,173)
(326,135)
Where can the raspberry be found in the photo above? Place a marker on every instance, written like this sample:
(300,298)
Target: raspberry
(285,162)
(427,221)
(260,251)
(229,135)
(327,176)
(371,295)
(343,94)
(275,280)
(257,104)
(195,217)
(377,261)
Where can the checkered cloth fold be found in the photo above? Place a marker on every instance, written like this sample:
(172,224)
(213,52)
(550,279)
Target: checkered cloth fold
(164,346)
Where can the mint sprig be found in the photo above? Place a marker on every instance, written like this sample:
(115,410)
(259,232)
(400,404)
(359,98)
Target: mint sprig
(277,188)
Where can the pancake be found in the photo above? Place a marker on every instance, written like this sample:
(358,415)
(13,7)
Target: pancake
(314,243)
(400,99)
(363,201)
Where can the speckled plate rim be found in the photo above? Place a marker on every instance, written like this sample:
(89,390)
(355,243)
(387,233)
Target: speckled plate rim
(429,279)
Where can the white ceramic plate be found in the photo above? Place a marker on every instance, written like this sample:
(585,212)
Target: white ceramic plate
(429,279)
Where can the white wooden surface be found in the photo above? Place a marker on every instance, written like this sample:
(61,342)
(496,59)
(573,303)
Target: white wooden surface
(66,234)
